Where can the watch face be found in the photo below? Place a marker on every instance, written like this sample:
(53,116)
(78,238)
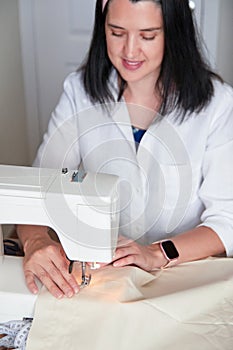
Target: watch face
(170,250)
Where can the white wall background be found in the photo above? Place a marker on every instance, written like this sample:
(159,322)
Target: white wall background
(13,129)
(217,30)
(15,138)
(225,40)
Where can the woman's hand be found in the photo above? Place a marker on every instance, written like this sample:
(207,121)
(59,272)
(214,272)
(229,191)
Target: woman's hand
(129,252)
(45,259)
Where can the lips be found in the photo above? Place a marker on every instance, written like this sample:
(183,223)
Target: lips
(131,65)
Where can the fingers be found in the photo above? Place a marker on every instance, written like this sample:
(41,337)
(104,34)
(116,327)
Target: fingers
(126,261)
(51,268)
(124,241)
(130,253)
(30,282)
(59,283)
(46,280)
(126,253)
(65,280)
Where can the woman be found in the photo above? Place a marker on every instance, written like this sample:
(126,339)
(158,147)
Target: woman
(145,107)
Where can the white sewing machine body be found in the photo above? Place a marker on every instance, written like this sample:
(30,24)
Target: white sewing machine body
(82,210)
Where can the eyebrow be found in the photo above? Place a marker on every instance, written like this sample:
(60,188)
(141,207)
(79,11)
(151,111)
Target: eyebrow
(152,29)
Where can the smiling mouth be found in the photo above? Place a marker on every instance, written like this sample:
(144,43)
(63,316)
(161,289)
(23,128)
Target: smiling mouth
(131,65)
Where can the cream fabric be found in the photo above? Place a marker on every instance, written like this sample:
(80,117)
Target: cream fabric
(186,307)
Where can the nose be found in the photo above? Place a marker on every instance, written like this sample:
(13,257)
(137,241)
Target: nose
(131,47)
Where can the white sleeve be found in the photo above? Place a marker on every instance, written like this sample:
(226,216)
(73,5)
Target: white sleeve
(216,190)
(60,143)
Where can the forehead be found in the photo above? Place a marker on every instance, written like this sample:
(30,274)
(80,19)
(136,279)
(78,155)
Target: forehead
(142,14)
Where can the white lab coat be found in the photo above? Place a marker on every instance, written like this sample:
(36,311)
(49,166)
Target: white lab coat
(180,177)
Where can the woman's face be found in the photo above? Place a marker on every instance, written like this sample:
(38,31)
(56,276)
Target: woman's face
(135,39)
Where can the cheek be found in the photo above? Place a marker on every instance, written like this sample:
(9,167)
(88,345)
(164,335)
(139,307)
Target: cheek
(113,49)
(162,47)
(113,45)
(158,52)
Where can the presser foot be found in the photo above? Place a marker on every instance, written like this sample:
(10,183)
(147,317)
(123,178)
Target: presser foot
(85,276)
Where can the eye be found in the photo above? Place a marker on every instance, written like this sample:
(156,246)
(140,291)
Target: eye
(117,34)
(148,37)
(151,35)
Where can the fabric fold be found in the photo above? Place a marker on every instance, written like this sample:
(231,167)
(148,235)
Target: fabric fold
(188,306)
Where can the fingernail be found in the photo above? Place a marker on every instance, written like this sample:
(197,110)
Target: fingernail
(70,294)
(76,289)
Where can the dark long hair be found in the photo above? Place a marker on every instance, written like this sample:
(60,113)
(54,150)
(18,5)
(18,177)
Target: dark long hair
(185,80)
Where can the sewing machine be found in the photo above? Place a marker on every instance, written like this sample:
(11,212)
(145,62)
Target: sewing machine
(82,208)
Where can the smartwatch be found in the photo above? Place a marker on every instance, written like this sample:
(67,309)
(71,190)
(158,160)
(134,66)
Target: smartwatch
(170,253)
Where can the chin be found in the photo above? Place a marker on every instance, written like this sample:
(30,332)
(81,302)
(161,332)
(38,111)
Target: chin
(130,76)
